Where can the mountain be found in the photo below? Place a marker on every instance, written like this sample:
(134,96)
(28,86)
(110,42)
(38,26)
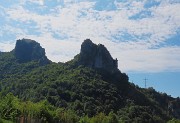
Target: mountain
(89,88)
(97,56)
(29,50)
(27,55)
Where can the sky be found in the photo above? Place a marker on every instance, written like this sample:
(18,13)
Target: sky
(144,35)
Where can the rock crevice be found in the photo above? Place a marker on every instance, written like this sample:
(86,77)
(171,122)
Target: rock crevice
(97,56)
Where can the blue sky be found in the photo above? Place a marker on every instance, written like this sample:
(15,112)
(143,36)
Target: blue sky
(143,34)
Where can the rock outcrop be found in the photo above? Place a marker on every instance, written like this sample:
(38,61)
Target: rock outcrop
(97,56)
(29,50)
(174,108)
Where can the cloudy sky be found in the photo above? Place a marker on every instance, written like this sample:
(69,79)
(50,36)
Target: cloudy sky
(144,35)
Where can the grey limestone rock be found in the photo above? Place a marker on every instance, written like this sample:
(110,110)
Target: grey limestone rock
(29,50)
(97,56)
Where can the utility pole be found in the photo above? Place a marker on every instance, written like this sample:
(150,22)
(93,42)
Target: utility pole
(145,80)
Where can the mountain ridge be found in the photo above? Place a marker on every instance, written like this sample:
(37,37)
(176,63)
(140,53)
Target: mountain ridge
(84,86)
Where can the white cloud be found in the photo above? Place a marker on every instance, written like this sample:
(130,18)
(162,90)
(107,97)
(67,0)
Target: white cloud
(40,2)
(78,21)
(6,47)
(151,60)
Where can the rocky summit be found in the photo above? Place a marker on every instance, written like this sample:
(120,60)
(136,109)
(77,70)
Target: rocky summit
(29,50)
(89,88)
(97,56)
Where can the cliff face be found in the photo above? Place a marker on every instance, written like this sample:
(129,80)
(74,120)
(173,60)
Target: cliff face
(29,50)
(97,56)
(174,108)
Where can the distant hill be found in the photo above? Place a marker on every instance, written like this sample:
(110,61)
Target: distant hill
(90,85)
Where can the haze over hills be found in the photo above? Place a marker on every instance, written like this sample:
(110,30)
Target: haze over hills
(89,85)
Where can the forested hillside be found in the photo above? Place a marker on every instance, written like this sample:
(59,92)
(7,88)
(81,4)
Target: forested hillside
(88,89)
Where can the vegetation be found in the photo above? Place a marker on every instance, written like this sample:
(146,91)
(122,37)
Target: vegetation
(13,109)
(71,93)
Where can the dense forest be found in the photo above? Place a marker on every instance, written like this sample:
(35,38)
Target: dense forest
(87,89)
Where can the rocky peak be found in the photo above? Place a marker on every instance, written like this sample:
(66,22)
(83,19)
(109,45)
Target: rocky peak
(97,56)
(29,50)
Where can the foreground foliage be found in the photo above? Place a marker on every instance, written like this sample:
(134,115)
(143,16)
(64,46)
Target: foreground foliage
(12,109)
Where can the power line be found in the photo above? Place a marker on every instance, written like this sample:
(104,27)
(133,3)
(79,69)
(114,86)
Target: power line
(145,81)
